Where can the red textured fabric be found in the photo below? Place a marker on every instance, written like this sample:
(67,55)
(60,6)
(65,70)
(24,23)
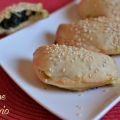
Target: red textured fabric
(21,106)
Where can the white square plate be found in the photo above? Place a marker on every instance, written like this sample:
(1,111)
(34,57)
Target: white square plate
(16,53)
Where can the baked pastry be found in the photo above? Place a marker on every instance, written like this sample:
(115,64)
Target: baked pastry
(95,8)
(20,15)
(74,68)
(98,34)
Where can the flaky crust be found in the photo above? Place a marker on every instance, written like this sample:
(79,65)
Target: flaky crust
(95,8)
(98,34)
(74,68)
(6,14)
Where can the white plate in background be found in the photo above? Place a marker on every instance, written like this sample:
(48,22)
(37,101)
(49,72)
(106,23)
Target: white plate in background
(16,53)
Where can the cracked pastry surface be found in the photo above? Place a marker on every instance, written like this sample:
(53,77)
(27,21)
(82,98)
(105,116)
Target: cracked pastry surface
(20,15)
(74,68)
(95,8)
(98,34)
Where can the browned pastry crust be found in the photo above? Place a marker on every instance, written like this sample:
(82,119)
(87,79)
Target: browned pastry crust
(74,68)
(98,34)
(95,8)
(15,12)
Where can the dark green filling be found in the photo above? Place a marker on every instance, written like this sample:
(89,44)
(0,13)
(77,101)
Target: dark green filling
(16,19)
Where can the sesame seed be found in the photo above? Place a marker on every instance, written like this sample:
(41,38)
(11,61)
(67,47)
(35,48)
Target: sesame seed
(96,70)
(50,69)
(63,70)
(72,60)
(46,81)
(90,75)
(78,76)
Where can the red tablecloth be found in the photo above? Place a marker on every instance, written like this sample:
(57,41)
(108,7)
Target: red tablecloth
(21,106)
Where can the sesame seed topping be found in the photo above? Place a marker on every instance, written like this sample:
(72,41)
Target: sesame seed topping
(86,28)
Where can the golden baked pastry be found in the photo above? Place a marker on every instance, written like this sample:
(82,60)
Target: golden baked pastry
(95,8)
(74,68)
(20,15)
(98,34)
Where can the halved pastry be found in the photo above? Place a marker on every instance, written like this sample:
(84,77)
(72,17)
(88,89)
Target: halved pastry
(98,34)
(20,15)
(74,68)
(95,8)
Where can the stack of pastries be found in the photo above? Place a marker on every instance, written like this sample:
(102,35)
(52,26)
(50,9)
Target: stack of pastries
(79,59)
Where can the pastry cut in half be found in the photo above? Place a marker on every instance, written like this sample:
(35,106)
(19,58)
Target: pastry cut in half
(95,8)
(74,68)
(100,34)
(20,15)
